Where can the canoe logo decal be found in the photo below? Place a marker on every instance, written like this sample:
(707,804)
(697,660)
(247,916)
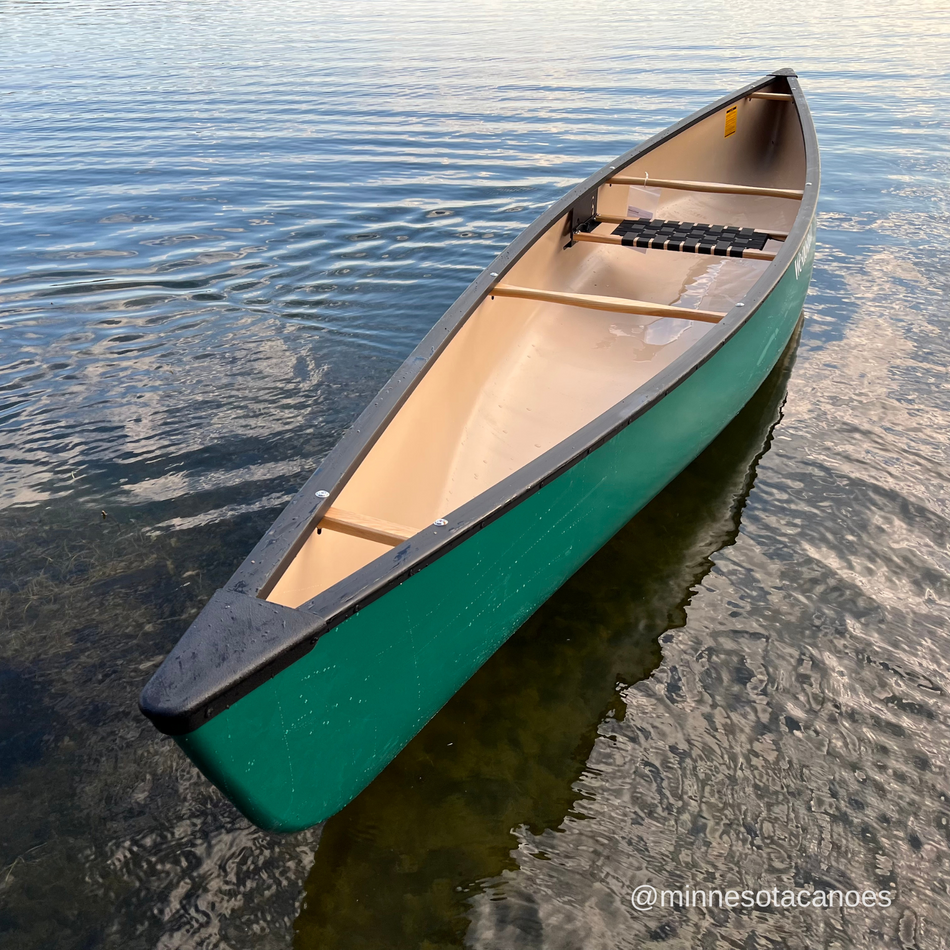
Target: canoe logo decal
(802,256)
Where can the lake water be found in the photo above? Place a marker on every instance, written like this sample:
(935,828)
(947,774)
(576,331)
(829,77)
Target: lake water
(222,226)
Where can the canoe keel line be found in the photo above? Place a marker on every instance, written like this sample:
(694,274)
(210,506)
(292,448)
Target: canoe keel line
(595,358)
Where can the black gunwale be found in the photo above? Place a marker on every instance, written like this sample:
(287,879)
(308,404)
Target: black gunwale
(260,571)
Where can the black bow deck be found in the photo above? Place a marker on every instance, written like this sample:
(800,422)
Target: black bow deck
(723,241)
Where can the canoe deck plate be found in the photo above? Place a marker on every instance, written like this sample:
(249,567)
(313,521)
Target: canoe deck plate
(715,239)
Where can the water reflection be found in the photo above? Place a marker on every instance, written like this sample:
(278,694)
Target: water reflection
(400,865)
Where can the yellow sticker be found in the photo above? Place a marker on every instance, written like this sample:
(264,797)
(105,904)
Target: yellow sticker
(731,113)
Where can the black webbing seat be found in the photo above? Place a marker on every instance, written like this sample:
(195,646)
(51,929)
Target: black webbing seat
(692,238)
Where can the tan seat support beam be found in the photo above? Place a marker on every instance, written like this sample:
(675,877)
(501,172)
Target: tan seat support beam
(619,219)
(747,253)
(363,526)
(708,187)
(775,96)
(613,304)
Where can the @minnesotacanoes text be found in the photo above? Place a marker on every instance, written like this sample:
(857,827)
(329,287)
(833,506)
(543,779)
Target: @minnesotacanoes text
(646,897)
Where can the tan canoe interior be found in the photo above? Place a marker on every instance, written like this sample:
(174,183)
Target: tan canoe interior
(522,374)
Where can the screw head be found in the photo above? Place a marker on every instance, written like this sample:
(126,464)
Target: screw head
(322,494)
(441,522)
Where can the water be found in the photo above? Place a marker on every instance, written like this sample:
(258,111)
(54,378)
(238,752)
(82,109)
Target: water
(222,228)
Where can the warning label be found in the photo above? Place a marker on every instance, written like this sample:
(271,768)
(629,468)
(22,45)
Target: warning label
(731,113)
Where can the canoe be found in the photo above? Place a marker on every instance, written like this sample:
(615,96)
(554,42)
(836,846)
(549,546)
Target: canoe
(587,366)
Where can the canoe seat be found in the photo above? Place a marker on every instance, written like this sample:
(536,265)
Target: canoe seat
(717,239)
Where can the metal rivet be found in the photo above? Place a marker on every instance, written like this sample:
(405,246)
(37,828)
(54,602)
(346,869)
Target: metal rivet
(322,494)
(492,274)
(740,304)
(440,522)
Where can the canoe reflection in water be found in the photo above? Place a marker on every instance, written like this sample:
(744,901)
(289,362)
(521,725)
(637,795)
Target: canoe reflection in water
(399,865)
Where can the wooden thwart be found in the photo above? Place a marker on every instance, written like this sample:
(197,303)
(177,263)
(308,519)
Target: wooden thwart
(775,96)
(747,253)
(366,527)
(709,187)
(620,219)
(613,304)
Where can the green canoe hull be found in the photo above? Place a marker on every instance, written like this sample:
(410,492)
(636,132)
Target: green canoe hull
(302,745)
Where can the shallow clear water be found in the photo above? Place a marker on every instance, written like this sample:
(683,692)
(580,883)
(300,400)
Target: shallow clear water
(222,226)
